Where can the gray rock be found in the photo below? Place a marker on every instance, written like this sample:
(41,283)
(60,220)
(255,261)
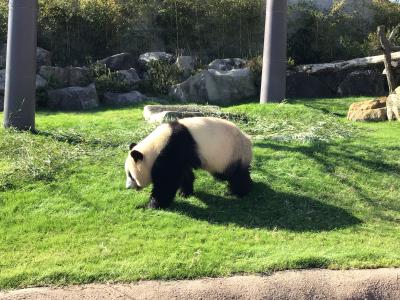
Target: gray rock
(2,81)
(362,83)
(186,65)
(302,85)
(165,113)
(227,64)
(121,61)
(64,77)
(40,81)
(73,98)
(115,99)
(58,76)
(216,87)
(79,76)
(43,57)
(3,55)
(146,58)
(129,76)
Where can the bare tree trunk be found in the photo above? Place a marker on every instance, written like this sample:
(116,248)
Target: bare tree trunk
(387,50)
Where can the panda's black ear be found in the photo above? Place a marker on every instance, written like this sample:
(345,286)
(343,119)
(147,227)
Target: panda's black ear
(136,155)
(131,146)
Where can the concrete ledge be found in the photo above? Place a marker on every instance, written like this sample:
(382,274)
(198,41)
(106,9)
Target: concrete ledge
(167,113)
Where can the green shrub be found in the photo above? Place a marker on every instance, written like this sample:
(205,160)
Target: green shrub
(77,29)
(108,81)
(73,30)
(255,64)
(162,76)
(3,21)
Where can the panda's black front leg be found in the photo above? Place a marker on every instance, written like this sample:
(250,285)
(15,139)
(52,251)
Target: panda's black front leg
(163,193)
(186,188)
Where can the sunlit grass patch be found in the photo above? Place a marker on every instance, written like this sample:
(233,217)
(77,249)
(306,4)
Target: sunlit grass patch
(326,194)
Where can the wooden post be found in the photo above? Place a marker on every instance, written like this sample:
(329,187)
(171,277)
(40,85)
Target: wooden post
(387,51)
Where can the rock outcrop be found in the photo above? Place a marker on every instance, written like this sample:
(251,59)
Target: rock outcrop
(227,64)
(73,98)
(373,110)
(216,87)
(121,61)
(123,99)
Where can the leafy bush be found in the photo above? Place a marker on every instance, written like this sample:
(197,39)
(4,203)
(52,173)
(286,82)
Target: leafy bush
(108,81)
(78,29)
(73,30)
(162,76)
(255,64)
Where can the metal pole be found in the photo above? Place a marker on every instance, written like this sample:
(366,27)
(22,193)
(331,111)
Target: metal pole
(20,89)
(273,83)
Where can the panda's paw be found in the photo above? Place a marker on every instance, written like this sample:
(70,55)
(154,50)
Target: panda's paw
(153,204)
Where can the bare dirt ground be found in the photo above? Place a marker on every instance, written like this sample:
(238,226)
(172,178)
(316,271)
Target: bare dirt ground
(306,284)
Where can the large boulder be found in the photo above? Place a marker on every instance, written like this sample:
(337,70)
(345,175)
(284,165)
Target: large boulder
(129,77)
(64,77)
(121,61)
(227,64)
(302,85)
(3,55)
(73,98)
(2,81)
(57,75)
(43,57)
(148,57)
(393,106)
(186,65)
(216,87)
(41,83)
(116,99)
(372,110)
(364,82)
(79,76)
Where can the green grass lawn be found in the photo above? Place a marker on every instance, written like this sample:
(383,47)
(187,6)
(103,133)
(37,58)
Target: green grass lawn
(326,194)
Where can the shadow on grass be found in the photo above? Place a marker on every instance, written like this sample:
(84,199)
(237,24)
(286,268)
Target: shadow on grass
(365,160)
(265,208)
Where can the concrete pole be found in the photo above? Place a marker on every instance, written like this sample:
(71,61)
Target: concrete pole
(20,89)
(273,83)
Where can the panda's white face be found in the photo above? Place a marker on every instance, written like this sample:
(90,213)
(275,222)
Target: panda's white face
(137,172)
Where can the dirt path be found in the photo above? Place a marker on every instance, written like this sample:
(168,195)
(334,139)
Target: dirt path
(307,284)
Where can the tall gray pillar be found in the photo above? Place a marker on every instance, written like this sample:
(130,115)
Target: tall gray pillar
(20,89)
(273,83)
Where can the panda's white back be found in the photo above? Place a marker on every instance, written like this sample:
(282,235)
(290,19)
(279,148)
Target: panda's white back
(220,143)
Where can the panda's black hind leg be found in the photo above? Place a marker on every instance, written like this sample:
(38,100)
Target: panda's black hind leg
(239,180)
(186,187)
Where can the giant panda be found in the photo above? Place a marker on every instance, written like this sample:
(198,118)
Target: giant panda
(169,154)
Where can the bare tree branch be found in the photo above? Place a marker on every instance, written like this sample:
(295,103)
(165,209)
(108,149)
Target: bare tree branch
(387,50)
